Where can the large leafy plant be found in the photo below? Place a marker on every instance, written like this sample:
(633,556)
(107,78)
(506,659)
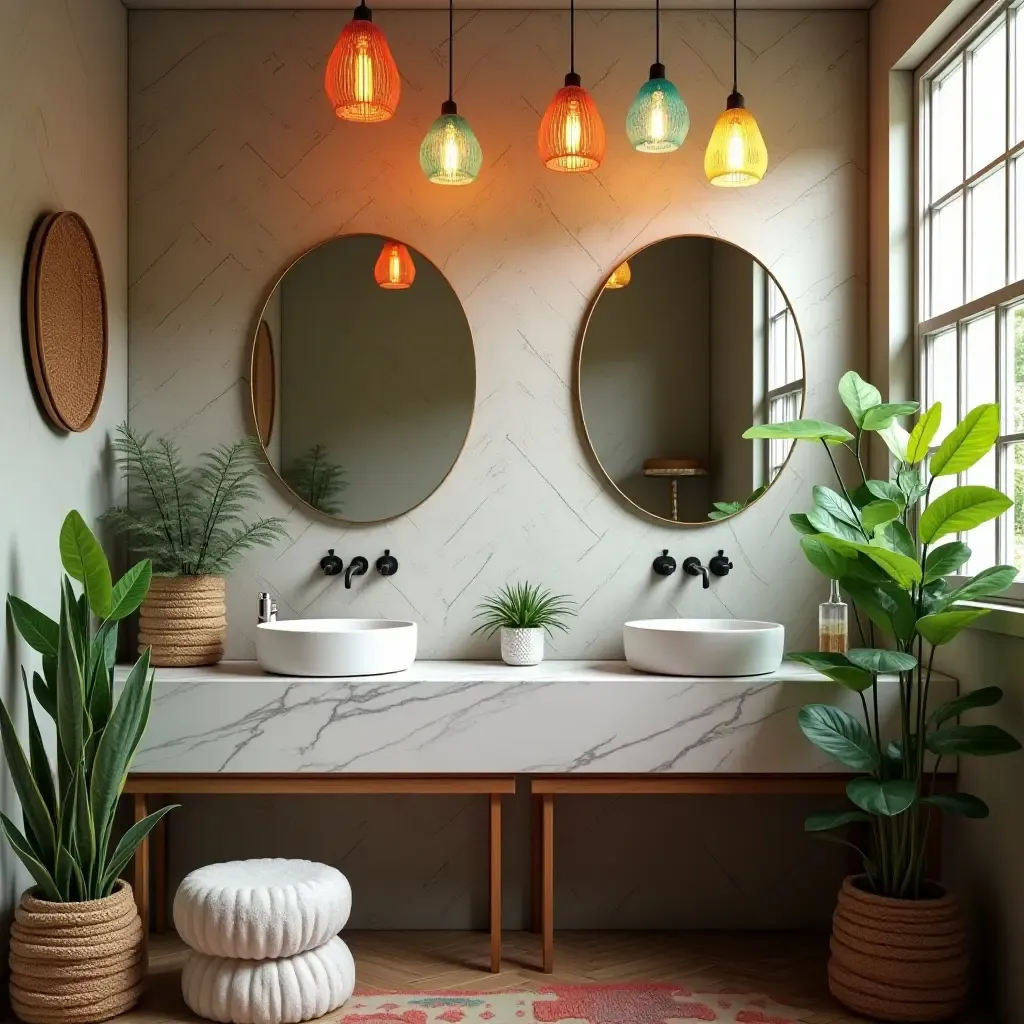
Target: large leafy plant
(891,557)
(68,814)
(190,522)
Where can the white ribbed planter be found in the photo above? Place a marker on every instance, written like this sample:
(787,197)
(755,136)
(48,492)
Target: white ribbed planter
(522,646)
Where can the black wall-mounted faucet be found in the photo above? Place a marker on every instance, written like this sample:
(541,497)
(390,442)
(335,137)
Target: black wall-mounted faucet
(357,567)
(387,564)
(331,564)
(720,564)
(692,567)
(664,564)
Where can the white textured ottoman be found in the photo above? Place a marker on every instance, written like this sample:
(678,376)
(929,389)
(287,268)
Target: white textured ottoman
(285,991)
(261,909)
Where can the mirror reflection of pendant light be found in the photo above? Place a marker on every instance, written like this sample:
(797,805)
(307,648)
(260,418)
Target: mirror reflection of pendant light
(736,155)
(394,268)
(571,136)
(620,276)
(657,121)
(450,153)
(362,80)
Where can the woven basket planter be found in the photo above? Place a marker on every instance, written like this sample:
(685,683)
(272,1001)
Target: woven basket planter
(899,960)
(183,620)
(76,963)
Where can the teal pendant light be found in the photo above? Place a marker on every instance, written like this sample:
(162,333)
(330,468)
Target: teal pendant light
(450,153)
(658,120)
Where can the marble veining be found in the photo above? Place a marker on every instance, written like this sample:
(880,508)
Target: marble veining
(478,717)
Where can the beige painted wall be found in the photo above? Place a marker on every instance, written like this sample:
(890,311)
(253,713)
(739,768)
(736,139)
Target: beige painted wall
(63,74)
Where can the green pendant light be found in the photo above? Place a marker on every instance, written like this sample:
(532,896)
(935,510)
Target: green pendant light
(658,120)
(450,153)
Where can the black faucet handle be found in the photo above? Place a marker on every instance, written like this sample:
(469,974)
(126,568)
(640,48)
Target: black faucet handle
(331,564)
(720,564)
(387,564)
(664,564)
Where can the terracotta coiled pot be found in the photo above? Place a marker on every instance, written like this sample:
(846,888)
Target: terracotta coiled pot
(184,620)
(76,963)
(899,960)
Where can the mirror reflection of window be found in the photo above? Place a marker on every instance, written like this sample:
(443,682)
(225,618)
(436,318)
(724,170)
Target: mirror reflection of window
(784,371)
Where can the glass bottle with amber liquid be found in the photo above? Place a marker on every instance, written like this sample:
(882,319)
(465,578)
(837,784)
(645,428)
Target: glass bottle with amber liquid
(833,622)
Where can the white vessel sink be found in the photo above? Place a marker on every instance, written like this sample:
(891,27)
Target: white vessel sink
(704,647)
(336,647)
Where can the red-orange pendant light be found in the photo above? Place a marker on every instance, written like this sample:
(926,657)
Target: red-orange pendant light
(362,80)
(394,268)
(571,136)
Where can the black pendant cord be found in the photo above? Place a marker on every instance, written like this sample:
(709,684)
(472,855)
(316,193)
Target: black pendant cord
(451,50)
(735,48)
(657,31)
(572,37)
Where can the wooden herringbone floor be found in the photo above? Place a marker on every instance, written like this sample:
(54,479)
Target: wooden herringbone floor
(788,967)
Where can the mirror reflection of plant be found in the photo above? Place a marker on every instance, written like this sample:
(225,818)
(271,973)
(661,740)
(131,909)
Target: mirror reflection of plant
(317,480)
(524,606)
(724,509)
(68,815)
(892,568)
(190,522)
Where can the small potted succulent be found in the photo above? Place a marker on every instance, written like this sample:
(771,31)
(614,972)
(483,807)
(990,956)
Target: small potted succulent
(192,524)
(523,613)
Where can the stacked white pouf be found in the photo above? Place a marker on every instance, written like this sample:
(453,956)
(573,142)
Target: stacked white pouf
(264,940)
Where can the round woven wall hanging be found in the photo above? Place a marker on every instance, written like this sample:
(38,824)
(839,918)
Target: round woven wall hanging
(67,320)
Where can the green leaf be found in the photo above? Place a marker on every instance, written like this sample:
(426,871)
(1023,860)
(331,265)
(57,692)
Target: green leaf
(879,513)
(896,440)
(70,691)
(987,583)
(839,735)
(802,524)
(946,559)
(824,522)
(984,697)
(836,667)
(896,537)
(935,596)
(923,433)
(885,490)
(38,758)
(968,442)
(102,654)
(887,799)
(976,740)
(904,570)
(942,627)
(877,660)
(824,558)
(799,430)
(887,605)
(882,416)
(963,804)
(28,857)
(835,504)
(39,631)
(126,848)
(911,485)
(84,560)
(858,395)
(85,831)
(46,697)
(130,590)
(961,509)
(823,821)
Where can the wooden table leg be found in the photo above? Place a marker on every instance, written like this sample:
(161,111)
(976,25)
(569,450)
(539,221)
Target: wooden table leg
(160,875)
(535,862)
(548,883)
(141,876)
(495,882)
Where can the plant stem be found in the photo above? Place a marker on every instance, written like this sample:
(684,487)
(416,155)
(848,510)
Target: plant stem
(863,474)
(839,477)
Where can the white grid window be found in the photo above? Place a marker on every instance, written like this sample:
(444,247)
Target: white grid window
(971,256)
(784,372)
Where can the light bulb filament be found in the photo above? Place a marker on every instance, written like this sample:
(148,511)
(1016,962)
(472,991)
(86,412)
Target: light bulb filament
(658,125)
(395,266)
(573,128)
(363,70)
(451,156)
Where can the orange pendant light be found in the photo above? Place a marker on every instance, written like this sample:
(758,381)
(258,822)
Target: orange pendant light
(362,80)
(620,276)
(571,136)
(394,268)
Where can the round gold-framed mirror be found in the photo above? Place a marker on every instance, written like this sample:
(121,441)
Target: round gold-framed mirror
(373,378)
(689,341)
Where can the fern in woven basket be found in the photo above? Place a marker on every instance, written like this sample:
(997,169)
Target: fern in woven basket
(190,521)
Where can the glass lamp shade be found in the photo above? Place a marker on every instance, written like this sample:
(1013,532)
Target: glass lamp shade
(620,276)
(362,80)
(658,120)
(571,136)
(394,268)
(450,153)
(736,155)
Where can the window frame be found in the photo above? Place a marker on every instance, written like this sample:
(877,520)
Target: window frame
(958,47)
(791,392)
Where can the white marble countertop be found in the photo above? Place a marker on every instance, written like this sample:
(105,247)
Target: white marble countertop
(481,717)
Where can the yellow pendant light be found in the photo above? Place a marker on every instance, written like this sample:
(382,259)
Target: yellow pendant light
(736,155)
(620,276)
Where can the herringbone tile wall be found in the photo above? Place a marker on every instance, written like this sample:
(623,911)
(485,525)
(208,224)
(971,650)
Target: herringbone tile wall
(237,165)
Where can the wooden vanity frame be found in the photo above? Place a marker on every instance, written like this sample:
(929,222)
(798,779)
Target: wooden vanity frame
(142,786)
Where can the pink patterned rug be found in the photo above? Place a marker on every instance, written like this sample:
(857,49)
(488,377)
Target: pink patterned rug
(643,1003)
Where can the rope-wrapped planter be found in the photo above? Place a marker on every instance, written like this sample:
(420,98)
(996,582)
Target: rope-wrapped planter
(898,960)
(184,620)
(76,963)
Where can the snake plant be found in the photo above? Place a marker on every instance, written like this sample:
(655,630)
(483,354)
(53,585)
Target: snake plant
(68,813)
